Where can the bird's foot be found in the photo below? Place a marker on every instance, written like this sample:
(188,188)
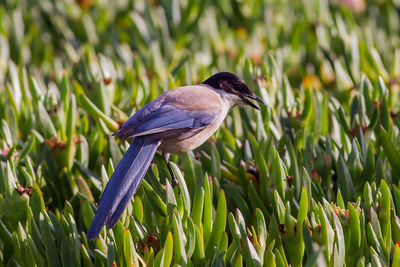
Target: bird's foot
(174,181)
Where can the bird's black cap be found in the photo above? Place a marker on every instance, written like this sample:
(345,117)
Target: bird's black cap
(233,84)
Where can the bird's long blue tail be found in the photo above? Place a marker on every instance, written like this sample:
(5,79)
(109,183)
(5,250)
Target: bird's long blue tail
(123,183)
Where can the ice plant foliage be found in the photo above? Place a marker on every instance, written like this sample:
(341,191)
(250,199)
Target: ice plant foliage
(312,179)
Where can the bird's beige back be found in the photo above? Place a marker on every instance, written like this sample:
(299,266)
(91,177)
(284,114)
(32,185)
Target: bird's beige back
(196,97)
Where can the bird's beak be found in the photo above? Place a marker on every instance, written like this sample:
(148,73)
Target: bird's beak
(251,104)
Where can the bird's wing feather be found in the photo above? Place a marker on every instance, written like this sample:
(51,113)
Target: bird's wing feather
(157,118)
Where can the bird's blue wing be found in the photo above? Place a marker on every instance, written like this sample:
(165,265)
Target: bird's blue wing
(158,117)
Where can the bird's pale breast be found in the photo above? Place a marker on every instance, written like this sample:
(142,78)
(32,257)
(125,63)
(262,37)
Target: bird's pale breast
(199,98)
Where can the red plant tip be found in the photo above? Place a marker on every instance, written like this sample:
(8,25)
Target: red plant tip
(197,156)
(353,131)
(22,190)
(107,81)
(76,140)
(393,82)
(54,143)
(327,158)
(89,86)
(282,229)
(212,141)
(377,103)
(397,244)
(256,58)
(5,151)
(315,175)
(250,237)
(289,179)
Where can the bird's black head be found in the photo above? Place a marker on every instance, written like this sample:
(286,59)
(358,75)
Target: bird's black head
(233,84)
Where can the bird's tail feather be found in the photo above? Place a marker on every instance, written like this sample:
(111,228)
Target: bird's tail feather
(123,183)
(125,200)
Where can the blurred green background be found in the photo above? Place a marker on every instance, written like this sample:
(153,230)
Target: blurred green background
(311,179)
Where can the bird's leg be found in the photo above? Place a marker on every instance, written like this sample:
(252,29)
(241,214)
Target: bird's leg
(165,156)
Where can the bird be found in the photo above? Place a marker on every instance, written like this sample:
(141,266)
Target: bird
(177,121)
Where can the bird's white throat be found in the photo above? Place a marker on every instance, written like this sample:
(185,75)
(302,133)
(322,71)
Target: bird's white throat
(230,100)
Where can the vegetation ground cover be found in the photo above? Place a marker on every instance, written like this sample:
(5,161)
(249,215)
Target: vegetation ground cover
(311,179)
